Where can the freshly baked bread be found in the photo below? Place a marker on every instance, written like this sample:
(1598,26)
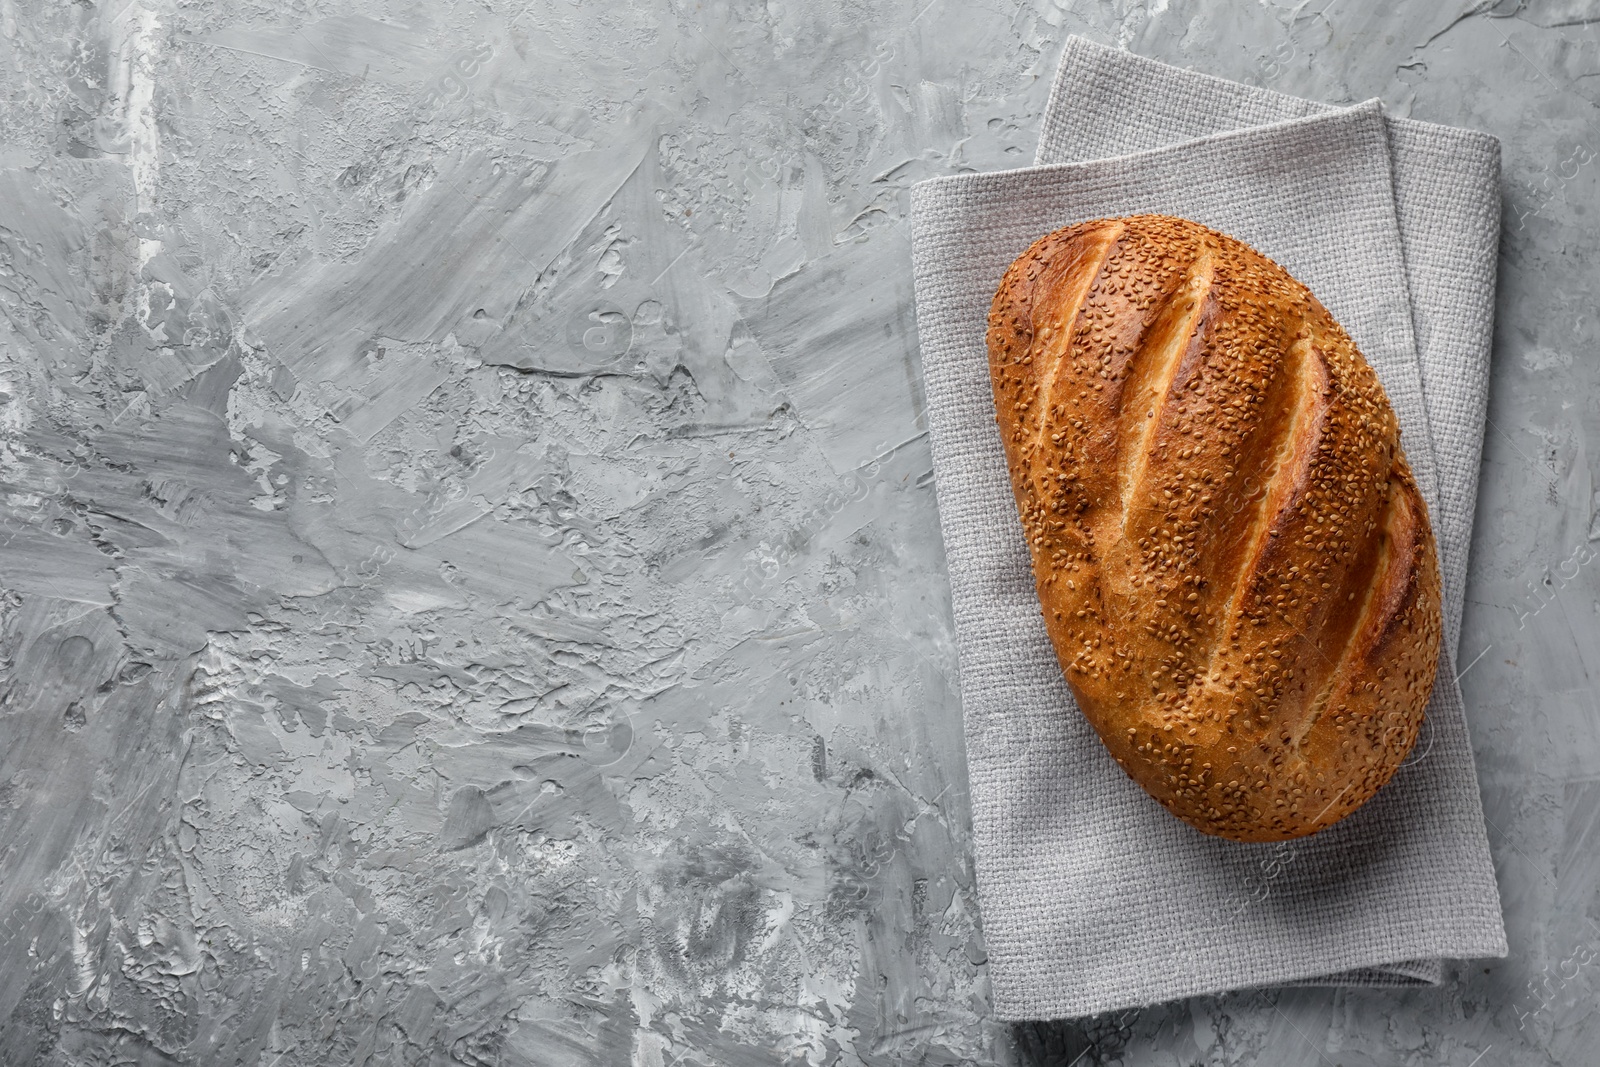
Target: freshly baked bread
(1232,558)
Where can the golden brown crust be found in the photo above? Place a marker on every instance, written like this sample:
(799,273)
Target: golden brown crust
(1233,560)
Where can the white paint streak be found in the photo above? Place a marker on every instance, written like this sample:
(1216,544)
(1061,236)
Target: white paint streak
(132,38)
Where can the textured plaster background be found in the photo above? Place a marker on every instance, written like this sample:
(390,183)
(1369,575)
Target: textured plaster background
(472,587)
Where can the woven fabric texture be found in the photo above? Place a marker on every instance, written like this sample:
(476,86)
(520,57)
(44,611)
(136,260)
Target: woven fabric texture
(1093,897)
(1107,102)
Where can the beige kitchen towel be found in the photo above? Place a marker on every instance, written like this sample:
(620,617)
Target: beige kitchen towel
(1093,897)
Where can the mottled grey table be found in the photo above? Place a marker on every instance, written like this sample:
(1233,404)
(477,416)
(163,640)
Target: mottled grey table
(472,587)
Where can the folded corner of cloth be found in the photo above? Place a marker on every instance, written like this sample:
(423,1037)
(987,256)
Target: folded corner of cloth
(1093,898)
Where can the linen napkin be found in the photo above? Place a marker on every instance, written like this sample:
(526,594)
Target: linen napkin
(1107,102)
(1094,898)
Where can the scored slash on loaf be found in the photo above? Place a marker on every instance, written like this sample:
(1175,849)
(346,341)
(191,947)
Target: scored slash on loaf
(1233,560)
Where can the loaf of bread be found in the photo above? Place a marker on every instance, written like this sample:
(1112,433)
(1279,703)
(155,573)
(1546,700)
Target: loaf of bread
(1232,557)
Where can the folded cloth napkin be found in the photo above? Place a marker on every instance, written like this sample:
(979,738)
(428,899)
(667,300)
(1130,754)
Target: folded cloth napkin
(1094,898)
(1106,102)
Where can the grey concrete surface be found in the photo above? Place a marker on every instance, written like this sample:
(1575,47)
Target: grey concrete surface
(472,588)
